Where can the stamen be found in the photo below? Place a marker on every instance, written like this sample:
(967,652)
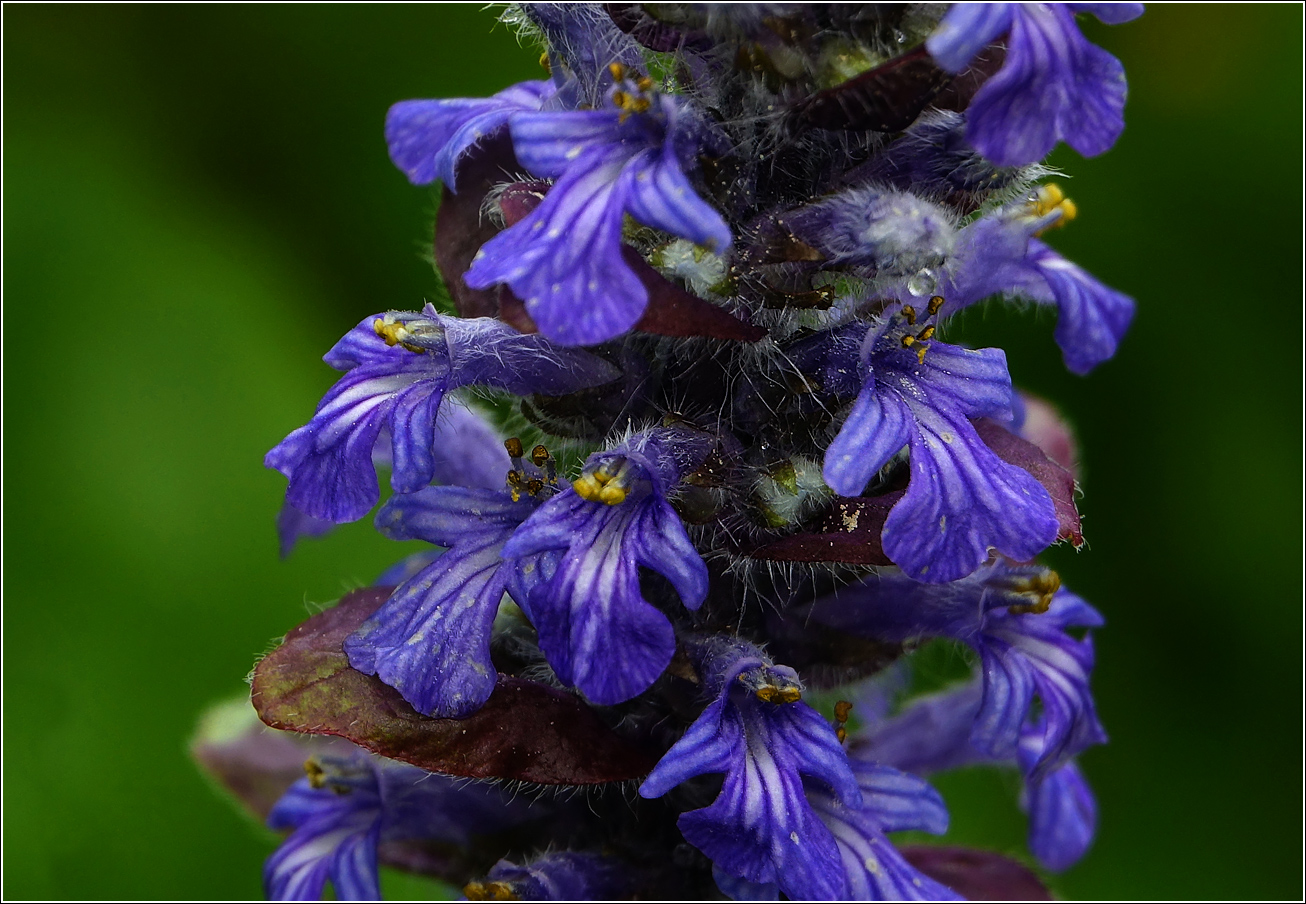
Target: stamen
(609,483)
(515,484)
(841,711)
(319,777)
(316,774)
(612,494)
(770,693)
(587,487)
(490,891)
(936,302)
(1044,585)
(539,455)
(514,447)
(910,341)
(395,333)
(910,313)
(621,99)
(644,83)
(618,71)
(1049,198)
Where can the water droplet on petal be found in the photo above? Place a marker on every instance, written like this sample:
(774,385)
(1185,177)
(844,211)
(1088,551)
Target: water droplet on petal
(922,282)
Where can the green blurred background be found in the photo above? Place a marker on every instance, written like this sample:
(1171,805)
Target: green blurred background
(198,202)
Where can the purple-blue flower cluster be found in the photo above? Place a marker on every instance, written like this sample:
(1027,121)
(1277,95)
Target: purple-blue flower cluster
(699,472)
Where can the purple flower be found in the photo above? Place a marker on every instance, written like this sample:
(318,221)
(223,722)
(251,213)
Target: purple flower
(757,731)
(890,231)
(933,734)
(431,640)
(892,801)
(595,627)
(398,367)
(919,392)
(427,137)
(564,260)
(348,805)
(999,254)
(293,525)
(561,876)
(1061,806)
(465,452)
(584,43)
(1053,84)
(933,159)
(1016,618)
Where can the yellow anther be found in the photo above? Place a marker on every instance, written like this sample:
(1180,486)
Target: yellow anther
(621,99)
(316,774)
(396,334)
(489,891)
(1049,198)
(926,333)
(392,333)
(769,693)
(908,341)
(841,711)
(534,485)
(587,488)
(1045,584)
(539,455)
(514,447)
(612,494)
(644,83)
(618,71)
(514,485)
(640,104)
(910,313)
(544,63)
(920,353)
(936,302)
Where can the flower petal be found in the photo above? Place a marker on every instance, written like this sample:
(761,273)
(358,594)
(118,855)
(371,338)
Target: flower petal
(595,627)
(1092,318)
(962,500)
(878,425)
(966,30)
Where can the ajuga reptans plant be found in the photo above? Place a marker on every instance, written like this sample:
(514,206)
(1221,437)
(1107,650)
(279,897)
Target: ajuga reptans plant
(701,474)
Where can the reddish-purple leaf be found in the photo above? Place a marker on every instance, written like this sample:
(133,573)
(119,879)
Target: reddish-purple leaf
(526,731)
(1059,482)
(257,765)
(849,532)
(888,98)
(672,311)
(1046,428)
(977,875)
(461,230)
(517,200)
(655,35)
